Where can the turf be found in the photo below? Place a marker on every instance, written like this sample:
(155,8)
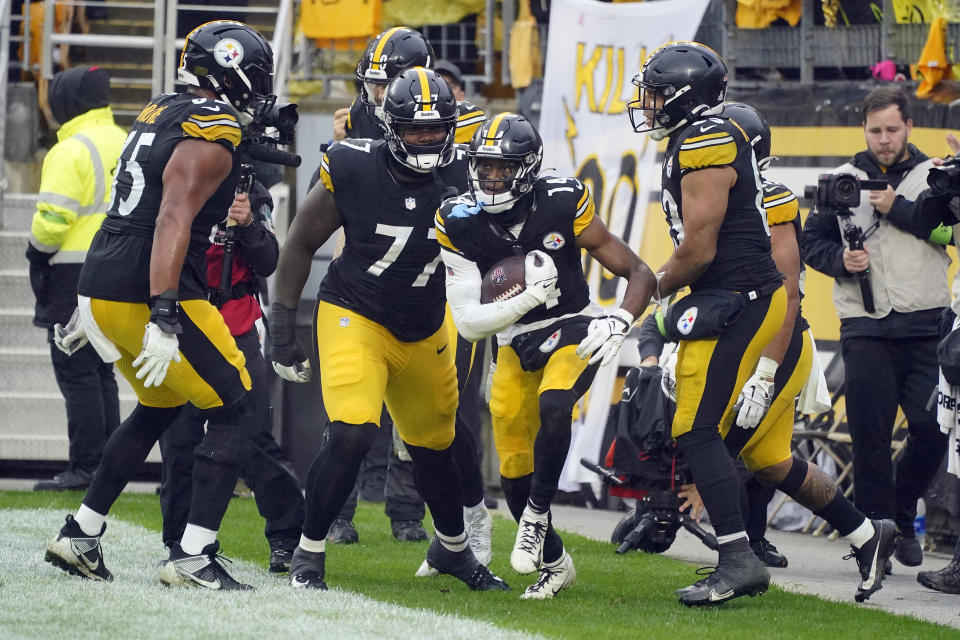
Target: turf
(615,597)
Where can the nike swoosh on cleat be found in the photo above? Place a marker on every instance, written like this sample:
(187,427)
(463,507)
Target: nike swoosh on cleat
(720,597)
(209,584)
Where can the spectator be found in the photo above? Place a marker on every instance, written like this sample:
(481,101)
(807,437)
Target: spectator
(71,206)
(890,353)
(469,115)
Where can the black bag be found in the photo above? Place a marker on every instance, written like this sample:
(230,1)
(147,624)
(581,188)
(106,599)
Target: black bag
(703,314)
(948,355)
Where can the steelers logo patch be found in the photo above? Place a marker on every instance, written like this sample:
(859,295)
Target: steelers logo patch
(685,323)
(553,241)
(228,52)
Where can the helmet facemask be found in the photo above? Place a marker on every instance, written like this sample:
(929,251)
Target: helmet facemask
(670,110)
(419,99)
(515,179)
(421,157)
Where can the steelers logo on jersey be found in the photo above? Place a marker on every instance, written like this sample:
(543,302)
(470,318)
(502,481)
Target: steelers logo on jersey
(228,52)
(553,241)
(685,323)
(669,169)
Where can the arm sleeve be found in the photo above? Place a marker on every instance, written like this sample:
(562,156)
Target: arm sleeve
(474,319)
(822,245)
(649,340)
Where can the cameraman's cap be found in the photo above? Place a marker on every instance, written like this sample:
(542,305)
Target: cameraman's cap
(446,67)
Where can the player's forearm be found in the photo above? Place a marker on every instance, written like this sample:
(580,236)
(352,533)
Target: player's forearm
(641,287)
(293,269)
(777,348)
(476,321)
(683,268)
(170,240)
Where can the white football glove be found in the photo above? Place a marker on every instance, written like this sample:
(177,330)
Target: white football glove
(605,336)
(540,280)
(72,337)
(159,350)
(757,394)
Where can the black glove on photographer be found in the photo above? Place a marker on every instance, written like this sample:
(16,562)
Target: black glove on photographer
(289,358)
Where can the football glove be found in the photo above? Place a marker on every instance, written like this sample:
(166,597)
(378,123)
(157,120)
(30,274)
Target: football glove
(605,336)
(540,279)
(70,338)
(159,350)
(290,361)
(757,394)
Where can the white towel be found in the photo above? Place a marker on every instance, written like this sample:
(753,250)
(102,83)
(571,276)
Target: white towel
(948,417)
(107,350)
(814,398)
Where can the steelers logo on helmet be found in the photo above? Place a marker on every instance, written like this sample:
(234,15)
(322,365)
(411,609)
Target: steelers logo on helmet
(504,160)
(678,82)
(228,52)
(420,119)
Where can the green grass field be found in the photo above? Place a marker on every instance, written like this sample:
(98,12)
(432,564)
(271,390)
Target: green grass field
(615,596)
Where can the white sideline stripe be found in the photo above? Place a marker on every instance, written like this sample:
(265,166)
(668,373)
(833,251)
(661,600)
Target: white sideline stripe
(42,602)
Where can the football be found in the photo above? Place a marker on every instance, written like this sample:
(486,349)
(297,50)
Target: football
(504,280)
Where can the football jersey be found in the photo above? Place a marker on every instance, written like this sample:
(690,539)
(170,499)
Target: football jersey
(388,269)
(559,210)
(118,262)
(742,261)
(469,119)
(782,207)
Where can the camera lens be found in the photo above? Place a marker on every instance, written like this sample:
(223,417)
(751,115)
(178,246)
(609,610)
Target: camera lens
(847,189)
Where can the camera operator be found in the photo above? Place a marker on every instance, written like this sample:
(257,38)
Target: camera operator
(889,354)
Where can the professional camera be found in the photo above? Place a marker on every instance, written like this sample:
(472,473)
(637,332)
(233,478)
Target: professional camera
(840,190)
(273,124)
(945,179)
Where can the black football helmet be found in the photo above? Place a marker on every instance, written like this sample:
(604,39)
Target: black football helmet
(233,60)
(419,97)
(386,56)
(755,126)
(510,137)
(690,79)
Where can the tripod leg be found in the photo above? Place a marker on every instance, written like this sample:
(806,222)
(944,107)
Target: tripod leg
(705,537)
(632,539)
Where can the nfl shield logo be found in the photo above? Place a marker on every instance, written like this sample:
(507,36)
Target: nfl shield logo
(410,203)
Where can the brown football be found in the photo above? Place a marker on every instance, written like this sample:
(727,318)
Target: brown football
(504,280)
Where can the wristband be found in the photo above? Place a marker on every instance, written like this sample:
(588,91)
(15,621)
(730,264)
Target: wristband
(165,311)
(766,368)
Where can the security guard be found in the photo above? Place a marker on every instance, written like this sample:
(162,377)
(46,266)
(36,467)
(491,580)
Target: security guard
(74,190)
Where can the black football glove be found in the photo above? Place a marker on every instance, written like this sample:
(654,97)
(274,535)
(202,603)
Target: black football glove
(289,358)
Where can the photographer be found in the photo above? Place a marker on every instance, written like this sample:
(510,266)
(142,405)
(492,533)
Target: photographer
(889,354)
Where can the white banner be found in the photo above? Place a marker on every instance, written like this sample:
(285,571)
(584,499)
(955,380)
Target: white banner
(594,50)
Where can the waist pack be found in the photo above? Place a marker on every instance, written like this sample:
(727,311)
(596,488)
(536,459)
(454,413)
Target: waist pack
(710,312)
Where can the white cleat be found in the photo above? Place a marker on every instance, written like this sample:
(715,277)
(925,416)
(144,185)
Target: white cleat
(554,577)
(527,551)
(478,524)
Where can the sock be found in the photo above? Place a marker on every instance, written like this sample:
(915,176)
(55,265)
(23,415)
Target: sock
(453,543)
(313,546)
(89,521)
(859,536)
(842,515)
(732,538)
(537,508)
(196,538)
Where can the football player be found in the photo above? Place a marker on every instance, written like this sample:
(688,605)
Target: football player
(541,332)
(380,329)
(713,200)
(143,297)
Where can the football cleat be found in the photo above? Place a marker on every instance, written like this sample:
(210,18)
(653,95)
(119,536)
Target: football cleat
(554,576)
(478,524)
(527,551)
(872,557)
(768,554)
(307,569)
(280,560)
(204,570)
(739,573)
(464,566)
(77,553)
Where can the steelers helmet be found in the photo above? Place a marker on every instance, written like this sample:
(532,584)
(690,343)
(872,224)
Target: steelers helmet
(510,137)
(690,77)
(386,56)
(230,58)
(419,97)
(755,126)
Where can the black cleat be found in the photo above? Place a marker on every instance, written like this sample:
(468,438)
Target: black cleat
(408,531)
(947,580)
(280,560)
(307,569)
(872,557)
(909,552)
(77,553)
(464,566)
(204,570)
(69,480)
(768,554)
(342,532)
(739,573)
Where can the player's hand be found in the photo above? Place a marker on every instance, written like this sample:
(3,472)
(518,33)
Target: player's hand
(757,394)
(605,336)
(240,210)
(855,261)
(691,500)
(72,337)
(289,359)
(159,350)
(540,279)
(340,123)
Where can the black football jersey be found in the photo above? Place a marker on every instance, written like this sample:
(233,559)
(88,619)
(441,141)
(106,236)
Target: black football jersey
(559,210)
(782,207)
(361,123)
(117,266)
(742,261)
(388,269)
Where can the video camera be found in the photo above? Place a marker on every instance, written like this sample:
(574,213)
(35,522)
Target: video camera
(273,124)
(945,179)
(839,193)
